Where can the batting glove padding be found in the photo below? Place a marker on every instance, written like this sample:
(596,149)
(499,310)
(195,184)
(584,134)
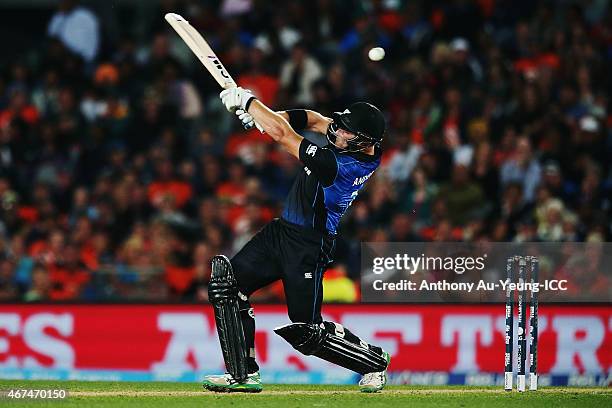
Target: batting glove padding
(236,98)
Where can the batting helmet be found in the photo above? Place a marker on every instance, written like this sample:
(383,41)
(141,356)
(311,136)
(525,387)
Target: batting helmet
(362,119)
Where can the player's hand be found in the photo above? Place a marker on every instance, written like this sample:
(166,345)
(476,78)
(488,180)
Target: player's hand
(236,98)
(245,118)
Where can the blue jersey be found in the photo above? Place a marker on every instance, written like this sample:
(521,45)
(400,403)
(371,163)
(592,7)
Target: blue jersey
(329,183)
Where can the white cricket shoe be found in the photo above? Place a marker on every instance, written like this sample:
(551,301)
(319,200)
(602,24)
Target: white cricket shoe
(374,382)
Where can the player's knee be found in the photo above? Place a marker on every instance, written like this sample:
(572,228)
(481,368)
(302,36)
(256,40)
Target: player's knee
(220,291)
(305,338)
(222,286)
(299,316)
(308,337)
(301,313)
(296,317)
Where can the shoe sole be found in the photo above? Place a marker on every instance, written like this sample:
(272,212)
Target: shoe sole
(370,390)
(220,388)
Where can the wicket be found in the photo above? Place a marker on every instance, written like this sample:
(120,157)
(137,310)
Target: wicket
(527,264)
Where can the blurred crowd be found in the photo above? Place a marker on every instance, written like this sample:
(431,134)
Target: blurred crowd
(121,173)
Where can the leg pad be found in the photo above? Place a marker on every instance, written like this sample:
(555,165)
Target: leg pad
(327,341)
(223,294)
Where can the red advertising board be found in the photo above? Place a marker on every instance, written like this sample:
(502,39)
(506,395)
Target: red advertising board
(175,338)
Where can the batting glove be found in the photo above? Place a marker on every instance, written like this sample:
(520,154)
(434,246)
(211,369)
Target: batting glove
(247,120)
(236,98)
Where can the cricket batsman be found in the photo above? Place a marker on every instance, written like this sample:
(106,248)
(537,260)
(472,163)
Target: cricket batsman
(298,247)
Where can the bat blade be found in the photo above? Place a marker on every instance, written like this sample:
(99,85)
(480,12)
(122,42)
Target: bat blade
(198,45)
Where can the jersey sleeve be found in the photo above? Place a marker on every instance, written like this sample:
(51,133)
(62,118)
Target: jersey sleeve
(320,160)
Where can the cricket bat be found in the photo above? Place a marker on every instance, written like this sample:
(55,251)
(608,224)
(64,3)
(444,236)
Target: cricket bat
(198,45)
(201,49)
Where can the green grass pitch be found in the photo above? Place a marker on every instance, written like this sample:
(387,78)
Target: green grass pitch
(171,395)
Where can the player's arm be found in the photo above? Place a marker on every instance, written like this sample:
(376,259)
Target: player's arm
(272,123)
(276,126)
(304,119)
(321,161)
(282,126)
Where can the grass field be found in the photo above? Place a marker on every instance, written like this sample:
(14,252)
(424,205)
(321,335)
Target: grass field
(170,395)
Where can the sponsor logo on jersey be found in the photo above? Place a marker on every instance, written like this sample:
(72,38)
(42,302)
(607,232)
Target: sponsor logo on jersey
(307,170)
(311,150)
(361,180)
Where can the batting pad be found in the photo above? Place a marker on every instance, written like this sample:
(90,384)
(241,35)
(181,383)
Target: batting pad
(223,294)
(312,339)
